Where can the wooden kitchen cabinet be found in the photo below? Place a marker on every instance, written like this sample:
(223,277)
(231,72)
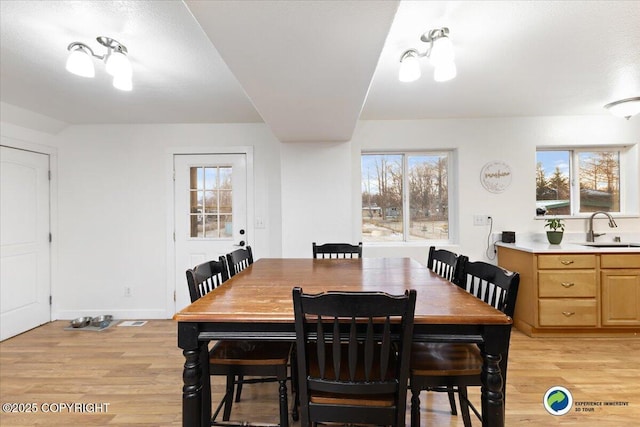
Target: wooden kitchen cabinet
(620,281)
(567,290)
(556,312)
(567,294)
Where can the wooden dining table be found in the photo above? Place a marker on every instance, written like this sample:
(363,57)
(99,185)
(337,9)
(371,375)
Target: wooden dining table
(257,304)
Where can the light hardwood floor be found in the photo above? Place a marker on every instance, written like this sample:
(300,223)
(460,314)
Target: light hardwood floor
(137,371)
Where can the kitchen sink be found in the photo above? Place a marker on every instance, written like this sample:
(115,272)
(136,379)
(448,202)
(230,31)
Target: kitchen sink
(611,245)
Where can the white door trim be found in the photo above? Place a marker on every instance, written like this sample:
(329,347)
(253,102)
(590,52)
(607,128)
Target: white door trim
(52,152)
(169,191)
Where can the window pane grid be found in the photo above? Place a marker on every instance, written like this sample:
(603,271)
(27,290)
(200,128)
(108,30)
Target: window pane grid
(211,207)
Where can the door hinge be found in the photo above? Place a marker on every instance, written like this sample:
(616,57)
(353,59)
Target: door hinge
(174,296)
(50,299)
(50,238)
(49,175)
(174,236)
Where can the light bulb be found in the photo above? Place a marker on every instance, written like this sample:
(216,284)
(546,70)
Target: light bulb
(123,82)
(409,69)
(441,52)
(444,72)
(117,64)
(79,63)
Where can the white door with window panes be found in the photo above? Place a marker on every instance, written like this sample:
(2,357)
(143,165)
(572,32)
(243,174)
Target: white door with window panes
(210,211)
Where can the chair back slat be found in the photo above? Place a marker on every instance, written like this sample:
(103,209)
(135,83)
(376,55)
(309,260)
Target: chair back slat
(446,264)
(385,352)
(321,347)
(337,250)
(370,339)
(337,360)
(205,277)
(353,352)
(239,259)
(492,284)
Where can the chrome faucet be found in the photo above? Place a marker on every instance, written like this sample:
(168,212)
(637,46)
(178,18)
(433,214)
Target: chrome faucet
(590,234)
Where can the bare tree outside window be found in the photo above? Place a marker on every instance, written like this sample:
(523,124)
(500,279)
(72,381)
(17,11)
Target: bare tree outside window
(599,181)
(405,197)
(382,197)
(211,210)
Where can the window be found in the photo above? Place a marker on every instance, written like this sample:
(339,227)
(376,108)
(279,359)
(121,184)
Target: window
(405,196)
(210,200)
(571,182)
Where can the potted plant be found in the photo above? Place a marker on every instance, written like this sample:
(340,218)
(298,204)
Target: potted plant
(556,230)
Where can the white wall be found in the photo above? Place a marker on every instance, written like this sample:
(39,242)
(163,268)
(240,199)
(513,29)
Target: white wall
(114,189)
(110,228)
(478,141)
(316,196)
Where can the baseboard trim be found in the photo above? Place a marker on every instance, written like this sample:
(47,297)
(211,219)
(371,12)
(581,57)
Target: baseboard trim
(117,314)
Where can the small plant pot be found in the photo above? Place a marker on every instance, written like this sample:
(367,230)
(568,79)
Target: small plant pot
(554,237)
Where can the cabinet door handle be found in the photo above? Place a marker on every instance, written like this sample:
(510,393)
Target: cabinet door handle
(568,313)
(567,284)
(566,262)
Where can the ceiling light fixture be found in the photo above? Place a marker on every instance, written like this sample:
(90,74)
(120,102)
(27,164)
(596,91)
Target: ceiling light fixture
(116,62)
(440,54)
(625,107)
(409,66)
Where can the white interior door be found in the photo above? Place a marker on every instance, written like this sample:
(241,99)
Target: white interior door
(210,211)
(25,281)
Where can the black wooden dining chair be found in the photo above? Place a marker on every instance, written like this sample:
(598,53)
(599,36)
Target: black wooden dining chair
(352,369)
(239,259)
(267,361)
(459,365)
(337,250)
(448,265)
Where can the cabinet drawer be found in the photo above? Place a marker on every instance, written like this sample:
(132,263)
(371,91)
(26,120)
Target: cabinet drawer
(620,261)
(563,283)
(564,261)
(567,312)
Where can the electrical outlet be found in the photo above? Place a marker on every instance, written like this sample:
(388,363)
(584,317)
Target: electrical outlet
(481,220)
(259,222)
(127,291)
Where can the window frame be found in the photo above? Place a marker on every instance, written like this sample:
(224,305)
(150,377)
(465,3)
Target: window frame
(406,211)
(627,206)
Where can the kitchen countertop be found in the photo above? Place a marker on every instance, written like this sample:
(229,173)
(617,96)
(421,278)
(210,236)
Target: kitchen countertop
(539,244)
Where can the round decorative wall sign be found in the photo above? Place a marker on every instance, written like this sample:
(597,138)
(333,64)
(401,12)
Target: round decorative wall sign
(495,176)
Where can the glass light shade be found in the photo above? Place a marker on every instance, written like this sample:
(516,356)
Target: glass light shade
(123,82)
(625,108)
(409,69)
(444,72)
(441,51)
(79,63)
(117,64)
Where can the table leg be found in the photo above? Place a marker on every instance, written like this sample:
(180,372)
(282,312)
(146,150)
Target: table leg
(496,344)
(206,384)
(195,391)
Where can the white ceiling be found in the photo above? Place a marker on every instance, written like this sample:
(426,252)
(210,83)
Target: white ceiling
(311,69)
